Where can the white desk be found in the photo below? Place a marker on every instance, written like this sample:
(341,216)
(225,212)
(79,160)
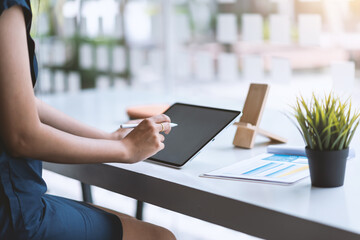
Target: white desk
(263,210)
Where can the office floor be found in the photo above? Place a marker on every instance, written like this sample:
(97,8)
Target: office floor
(184,227)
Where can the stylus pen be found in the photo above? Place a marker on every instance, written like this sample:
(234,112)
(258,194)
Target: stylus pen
(135,125)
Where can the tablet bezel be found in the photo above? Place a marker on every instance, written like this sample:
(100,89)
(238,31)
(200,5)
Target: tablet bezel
(152,159)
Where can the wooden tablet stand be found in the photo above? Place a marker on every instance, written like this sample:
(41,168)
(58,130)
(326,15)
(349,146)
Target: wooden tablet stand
(248,127)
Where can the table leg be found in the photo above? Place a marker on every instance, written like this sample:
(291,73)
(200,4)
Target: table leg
(139,210)
(87,197)
(86,193)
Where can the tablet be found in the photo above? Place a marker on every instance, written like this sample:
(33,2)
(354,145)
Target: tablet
(197,126)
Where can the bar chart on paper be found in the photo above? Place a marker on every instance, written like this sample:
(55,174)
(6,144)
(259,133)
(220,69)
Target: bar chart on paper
(272,168)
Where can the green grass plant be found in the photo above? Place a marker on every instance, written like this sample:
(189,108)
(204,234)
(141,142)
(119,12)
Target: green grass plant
(326,124)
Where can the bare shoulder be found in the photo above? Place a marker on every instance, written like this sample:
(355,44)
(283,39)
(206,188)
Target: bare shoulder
(12,28)
(14,13)
(12,37)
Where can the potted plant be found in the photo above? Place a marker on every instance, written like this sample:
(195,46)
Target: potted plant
(327,126)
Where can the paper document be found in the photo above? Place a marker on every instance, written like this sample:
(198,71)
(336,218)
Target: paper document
(282,164)
(271,168)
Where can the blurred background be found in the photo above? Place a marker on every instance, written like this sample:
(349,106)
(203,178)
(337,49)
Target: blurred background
(197,47)
(85,44)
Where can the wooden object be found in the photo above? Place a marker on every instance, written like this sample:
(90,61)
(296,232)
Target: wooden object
(248,127)
(145,111)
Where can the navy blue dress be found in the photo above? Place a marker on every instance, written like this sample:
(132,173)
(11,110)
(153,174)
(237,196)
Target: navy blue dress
(26,212)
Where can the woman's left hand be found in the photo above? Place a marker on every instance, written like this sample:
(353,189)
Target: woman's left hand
(123,132)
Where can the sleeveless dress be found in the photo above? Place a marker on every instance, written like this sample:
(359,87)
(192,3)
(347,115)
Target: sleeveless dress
(26,212)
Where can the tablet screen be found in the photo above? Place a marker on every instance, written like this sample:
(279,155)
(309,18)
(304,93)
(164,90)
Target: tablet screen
(197,126)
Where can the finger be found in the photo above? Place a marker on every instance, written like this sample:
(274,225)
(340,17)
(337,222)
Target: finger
(160,118)
(163,127)
(161,137)
(167,128)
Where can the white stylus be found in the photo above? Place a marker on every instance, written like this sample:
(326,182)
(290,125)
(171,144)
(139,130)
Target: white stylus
(135,125)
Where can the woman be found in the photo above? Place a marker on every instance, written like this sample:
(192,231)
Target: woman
(30,129)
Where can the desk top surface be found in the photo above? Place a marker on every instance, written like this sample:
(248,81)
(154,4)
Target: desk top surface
(337,207)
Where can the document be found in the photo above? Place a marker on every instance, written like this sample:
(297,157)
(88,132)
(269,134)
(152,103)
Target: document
(282,164)
(267,167)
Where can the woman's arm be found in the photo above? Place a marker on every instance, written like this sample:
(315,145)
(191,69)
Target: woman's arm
(59,120)
(22,134)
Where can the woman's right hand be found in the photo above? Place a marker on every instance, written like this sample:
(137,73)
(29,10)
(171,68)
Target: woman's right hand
(145,140)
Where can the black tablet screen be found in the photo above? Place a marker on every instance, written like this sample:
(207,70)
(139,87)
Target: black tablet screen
(196,127)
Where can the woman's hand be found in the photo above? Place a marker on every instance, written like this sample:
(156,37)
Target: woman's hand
(123,132)
(145,140)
